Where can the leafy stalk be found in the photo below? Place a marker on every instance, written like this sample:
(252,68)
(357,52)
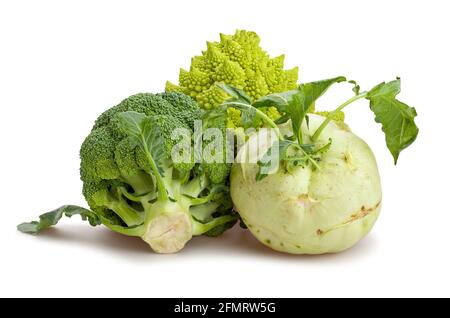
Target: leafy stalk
(52,218)
(309,158)
(331,115)
(296,104)
(396,118)
(240,100)
(264,117)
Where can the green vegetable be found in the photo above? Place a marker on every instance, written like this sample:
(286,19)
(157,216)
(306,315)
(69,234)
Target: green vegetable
(133,185)
(52,218)
(316,189)
(396,117)
(313,188)
(237,60)
(305,210)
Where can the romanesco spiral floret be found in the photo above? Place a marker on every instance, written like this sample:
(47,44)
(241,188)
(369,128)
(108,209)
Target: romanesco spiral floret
(237,60)
(272,112)
(339,116)
(233,117)
(211,97)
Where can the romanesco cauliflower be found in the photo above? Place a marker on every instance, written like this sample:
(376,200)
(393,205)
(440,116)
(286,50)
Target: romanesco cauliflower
(237,60)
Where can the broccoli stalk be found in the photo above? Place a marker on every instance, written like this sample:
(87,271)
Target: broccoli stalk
(171,222)
(168,223)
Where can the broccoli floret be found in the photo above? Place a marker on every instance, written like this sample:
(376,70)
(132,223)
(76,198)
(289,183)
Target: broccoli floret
(236,60)
(186,109)
(146,103)
(133,186)
(97,156)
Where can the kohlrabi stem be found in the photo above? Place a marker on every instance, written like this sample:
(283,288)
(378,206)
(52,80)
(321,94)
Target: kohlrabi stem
(314,163)
(334,112)
(162,192)
(300,135)
(265,118)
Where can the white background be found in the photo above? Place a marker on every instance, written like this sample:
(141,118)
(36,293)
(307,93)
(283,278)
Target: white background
(64,62)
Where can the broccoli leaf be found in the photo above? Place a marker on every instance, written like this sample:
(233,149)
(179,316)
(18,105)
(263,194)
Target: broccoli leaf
(51,218)
(396,118)
(146,134)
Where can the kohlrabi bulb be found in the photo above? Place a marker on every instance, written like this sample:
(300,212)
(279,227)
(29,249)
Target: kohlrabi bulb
(309,210)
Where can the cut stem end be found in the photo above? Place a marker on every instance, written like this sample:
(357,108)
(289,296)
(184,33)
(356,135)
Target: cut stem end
(168,233)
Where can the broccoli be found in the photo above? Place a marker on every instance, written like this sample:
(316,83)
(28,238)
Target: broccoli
(134,187)
(236,60)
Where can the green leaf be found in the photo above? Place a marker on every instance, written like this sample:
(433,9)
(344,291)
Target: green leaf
(271,100)
(145,134)
(51,218)
(278,101)
(143,131)
(314,90)
(356,88)
(303,101)
(396,118)
(338,116)
(297,109)
(265,160)
(249,117)
(236,94)
(308,148)
(249,114)
(284,118)
(324,148)
(240,100)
